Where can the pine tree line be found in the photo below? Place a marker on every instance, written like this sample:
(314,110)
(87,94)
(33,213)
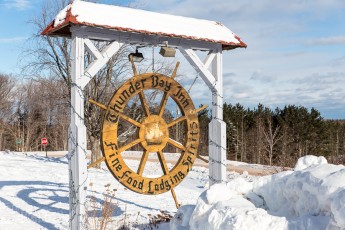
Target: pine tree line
(280,136)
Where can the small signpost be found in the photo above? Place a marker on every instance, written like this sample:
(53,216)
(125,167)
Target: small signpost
(18,143)
(44,142)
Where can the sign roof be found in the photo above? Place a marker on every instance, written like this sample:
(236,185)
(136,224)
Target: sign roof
(142,22)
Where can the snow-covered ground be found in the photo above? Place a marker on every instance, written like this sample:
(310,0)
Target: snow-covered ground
(34,195)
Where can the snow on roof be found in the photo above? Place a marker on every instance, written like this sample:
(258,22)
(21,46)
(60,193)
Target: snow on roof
(141,21)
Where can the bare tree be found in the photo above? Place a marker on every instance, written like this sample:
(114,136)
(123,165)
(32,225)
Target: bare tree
(271,138)
(51,56)
(259,133)
(7,84)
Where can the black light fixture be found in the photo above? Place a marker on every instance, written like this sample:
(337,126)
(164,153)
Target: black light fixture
(137,57)
(167,51)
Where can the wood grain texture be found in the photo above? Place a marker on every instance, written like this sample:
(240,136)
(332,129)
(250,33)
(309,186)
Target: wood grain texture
(152,134)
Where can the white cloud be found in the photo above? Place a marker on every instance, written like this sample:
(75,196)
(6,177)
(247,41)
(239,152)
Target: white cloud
(260,76)
(294,55)
(18,4)
(11,40)
(338,61)
(327,40)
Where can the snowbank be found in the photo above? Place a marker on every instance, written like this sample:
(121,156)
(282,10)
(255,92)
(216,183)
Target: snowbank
(311,197)
(307,161)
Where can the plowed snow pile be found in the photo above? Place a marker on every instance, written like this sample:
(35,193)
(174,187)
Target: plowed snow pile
(310,197)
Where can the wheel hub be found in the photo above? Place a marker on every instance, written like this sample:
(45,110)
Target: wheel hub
(155,132)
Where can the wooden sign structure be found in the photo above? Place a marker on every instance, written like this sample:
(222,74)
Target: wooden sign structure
(84,22)
(153,134)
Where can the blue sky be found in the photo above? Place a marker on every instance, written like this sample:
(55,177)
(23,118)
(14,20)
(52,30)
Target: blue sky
(295,54)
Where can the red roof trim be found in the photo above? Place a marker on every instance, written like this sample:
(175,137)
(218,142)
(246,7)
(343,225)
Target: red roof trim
(244,45)
(48,29)
(70,19)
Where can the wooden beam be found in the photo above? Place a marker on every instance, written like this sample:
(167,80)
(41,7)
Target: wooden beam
(209,59)
(146,39)
(96,65)
(92,49)
(197,64)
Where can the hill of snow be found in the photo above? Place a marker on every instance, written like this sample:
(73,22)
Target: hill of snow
(310,197)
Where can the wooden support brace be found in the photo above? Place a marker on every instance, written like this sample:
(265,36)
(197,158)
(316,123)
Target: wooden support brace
(209,59)
(102,58)
(205,74)
(92,49)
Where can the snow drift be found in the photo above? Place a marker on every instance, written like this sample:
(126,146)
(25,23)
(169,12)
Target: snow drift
(311,197)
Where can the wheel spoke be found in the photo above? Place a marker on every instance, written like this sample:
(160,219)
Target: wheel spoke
(174,122)
(130,120)
(96,162)
(144,103)
(203,159)
(176,144)
(163,162)
(175,70)
(130,145)
(98,104)
(166,171)
(182,118)
(143,163)
(200,109)
(133,65)
(163,103)
(175,199)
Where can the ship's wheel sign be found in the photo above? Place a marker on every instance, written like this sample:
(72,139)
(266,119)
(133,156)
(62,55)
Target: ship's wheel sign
(153,133)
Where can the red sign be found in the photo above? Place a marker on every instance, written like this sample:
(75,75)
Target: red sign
(44,141)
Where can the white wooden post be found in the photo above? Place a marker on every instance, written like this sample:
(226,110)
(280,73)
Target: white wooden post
(217,127)
(77,136)
(77,141)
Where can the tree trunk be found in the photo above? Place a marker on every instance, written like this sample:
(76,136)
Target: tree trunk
(95,150)
(299,150)
(1,133)
(337,146)
(259,142)
(284,140)
(271,154)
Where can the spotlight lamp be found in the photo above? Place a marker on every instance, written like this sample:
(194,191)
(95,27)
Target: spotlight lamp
(137,57)
(167,51)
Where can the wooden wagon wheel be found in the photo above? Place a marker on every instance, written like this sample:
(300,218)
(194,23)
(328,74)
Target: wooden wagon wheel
(152,135)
